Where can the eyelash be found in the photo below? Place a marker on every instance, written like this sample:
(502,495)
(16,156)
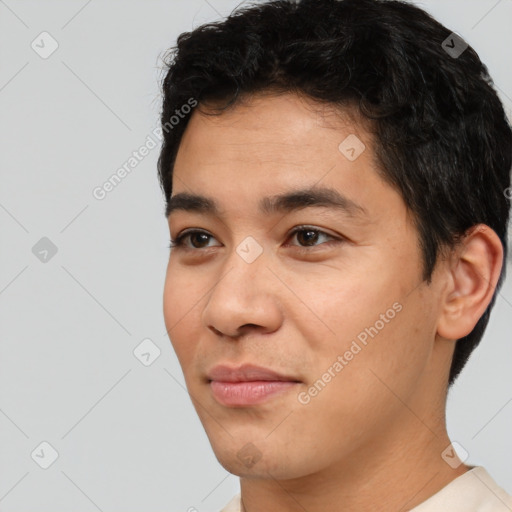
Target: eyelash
(178,242)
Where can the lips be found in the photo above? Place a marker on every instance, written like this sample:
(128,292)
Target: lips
(246,373)
(247,385)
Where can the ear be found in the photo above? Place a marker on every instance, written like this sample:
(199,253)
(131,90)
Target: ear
(473,274)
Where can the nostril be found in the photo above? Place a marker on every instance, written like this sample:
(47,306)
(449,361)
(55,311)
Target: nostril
(215,331)
(240,332)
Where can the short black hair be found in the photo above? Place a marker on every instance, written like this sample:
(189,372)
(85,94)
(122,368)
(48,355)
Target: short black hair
(442,137)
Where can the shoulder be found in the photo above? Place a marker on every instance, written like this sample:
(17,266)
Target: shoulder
(234,505)
(494,497)
(474,491)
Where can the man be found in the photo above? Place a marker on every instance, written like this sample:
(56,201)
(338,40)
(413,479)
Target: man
(336,176)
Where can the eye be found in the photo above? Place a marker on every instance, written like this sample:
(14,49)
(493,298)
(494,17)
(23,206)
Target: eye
(307,235)
(179,241)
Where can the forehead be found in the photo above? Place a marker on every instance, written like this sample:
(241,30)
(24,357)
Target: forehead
(285,128)
(274,145)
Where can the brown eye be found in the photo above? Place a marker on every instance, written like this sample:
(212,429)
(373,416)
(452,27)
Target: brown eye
(197,238)
(200,238)
(307,236)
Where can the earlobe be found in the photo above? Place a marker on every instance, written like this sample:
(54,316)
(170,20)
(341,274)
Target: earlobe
(474,273)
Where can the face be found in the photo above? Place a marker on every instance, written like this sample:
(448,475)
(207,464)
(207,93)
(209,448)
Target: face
(296,323)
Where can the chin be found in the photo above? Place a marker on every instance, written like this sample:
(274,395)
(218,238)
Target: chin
(264,459)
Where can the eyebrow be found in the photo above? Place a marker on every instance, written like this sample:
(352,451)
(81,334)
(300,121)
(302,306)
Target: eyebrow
(283,203)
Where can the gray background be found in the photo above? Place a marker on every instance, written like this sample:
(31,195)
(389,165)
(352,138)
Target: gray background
(126,434)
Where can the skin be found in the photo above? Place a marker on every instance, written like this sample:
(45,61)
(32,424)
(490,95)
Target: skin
(375,433)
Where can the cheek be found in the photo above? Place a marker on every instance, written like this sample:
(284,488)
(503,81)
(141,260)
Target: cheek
(180,309)
(338,305)
(393,352)
(362,397)
(379,321)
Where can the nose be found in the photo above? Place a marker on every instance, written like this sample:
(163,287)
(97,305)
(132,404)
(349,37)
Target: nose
(244,299)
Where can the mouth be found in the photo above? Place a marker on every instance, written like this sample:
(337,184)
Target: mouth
(247,384)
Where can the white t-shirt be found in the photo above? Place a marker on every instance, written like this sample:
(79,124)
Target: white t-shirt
(474,491)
